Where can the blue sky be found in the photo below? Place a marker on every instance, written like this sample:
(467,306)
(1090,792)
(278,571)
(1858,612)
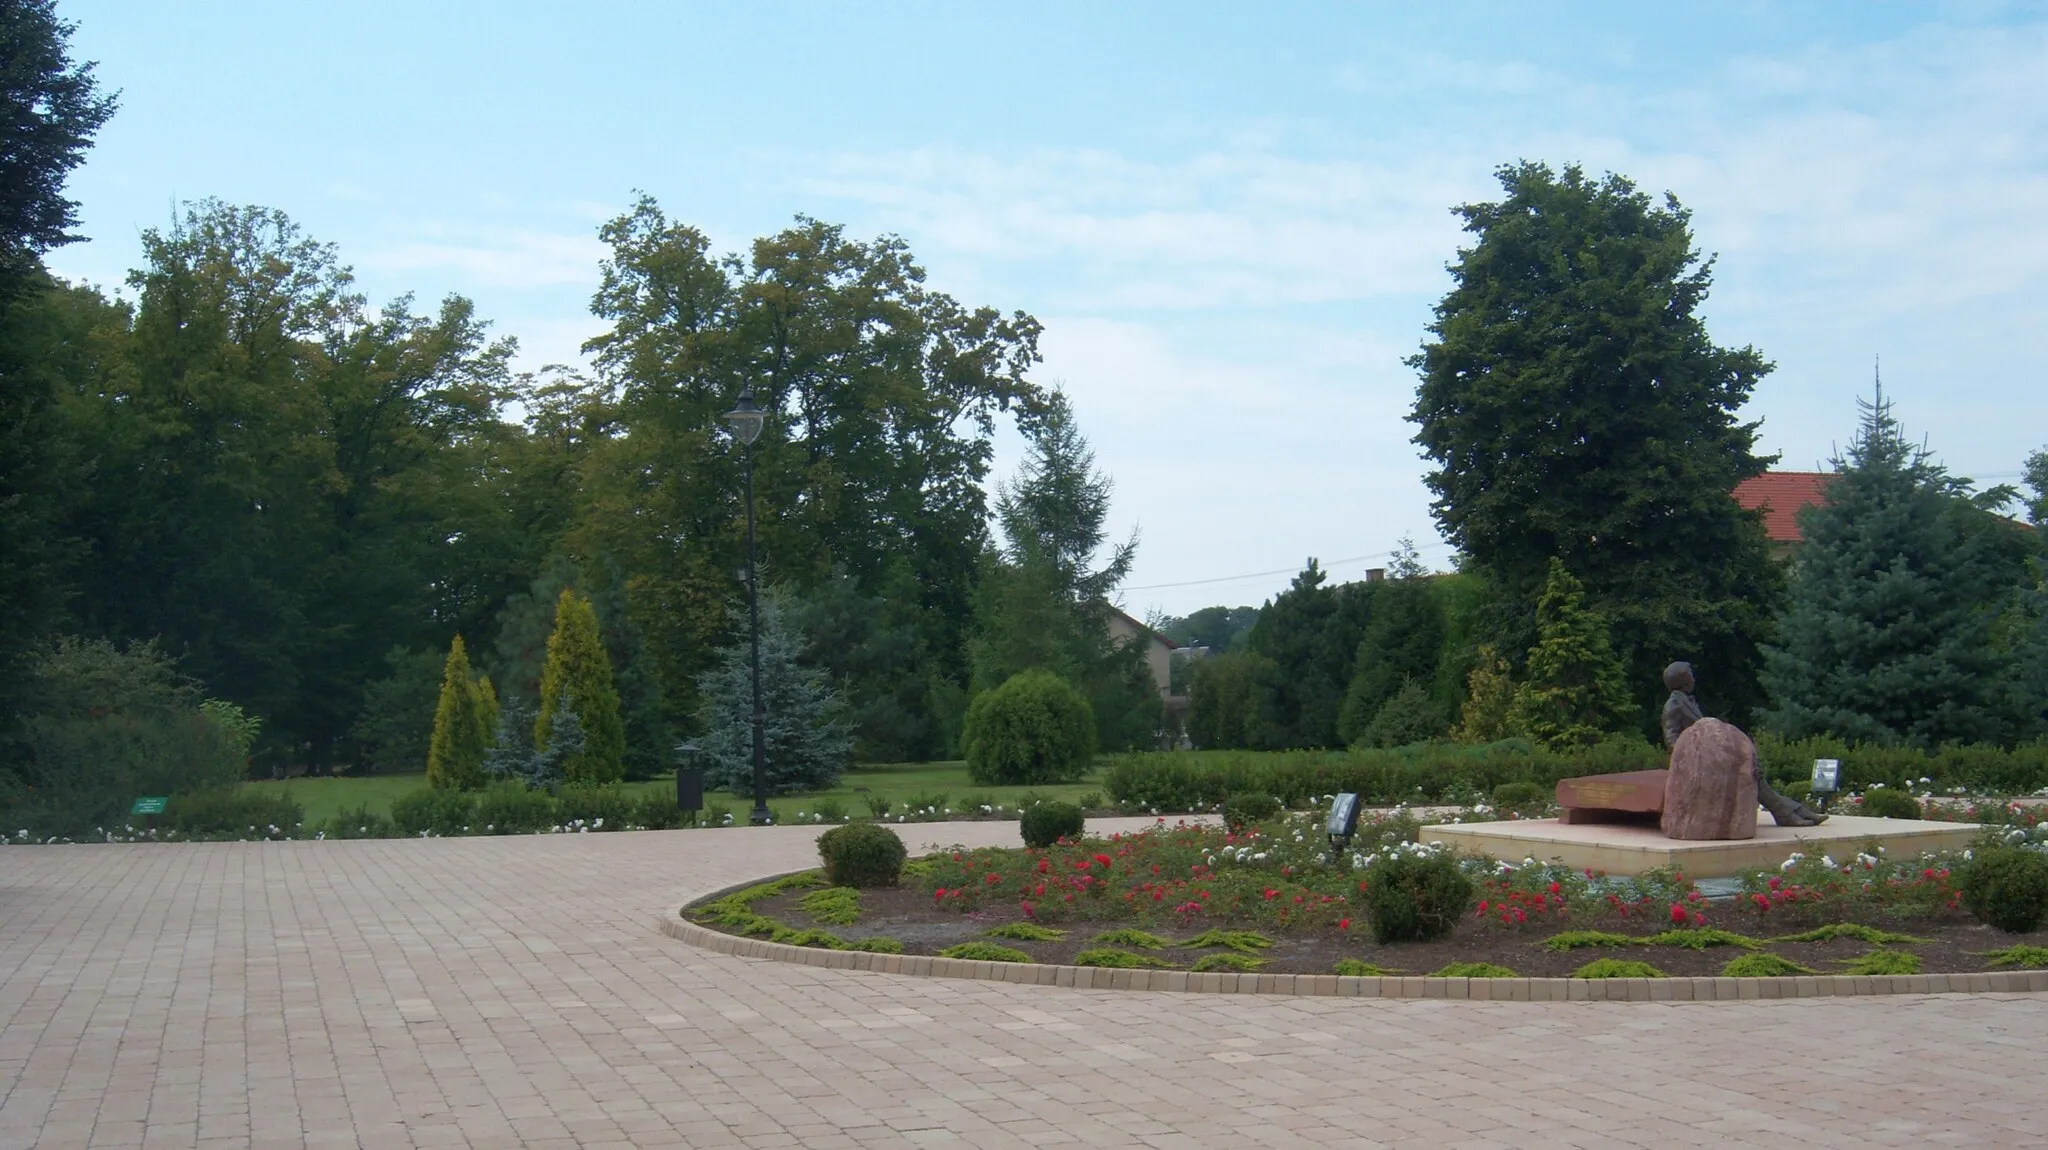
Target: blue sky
(1232,219)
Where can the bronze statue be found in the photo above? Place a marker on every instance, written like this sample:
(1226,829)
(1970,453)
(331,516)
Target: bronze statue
(1681,710)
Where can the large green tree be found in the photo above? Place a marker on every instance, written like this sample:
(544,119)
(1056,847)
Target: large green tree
(1311,633)
(1898,594)
(1044,600)
(1402,644)
(1574,406)
(882,397)
(50,108)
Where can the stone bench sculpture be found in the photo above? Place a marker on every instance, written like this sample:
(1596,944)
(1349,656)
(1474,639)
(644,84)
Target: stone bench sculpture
(1711,790)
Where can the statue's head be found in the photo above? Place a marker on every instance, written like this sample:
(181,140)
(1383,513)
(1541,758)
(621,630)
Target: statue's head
(1678,676)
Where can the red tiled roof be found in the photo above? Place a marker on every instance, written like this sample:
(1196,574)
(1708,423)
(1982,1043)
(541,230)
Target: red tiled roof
(1781,494)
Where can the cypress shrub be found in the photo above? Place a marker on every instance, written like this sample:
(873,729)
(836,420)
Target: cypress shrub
(1033,729)
(578,677)
(465,725)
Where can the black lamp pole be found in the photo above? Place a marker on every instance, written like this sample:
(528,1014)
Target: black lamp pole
(746,419)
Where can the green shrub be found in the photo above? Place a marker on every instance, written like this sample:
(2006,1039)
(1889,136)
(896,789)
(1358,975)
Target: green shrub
(1238,940)
(1034,729)
(1523,798)
(101,726)
(1025,932)
(429,811)
(601,808)
(1359,968)
(1048,823)
(1090,800)
(828,810)
(880,944)
(878,806)
(1142,939)
(1575,939)
(512,809)
(1763,966)
(1111,957)
(1227,960)
(1617,968)
(656,810)
(985,952)
(233,813)
(861,855)
(1476,970)
(1882,962)
(358,823)
(1413,896)
(1855,930)
(1411,716)
(1248,807)
(926,803)
(1886,803)
(2029,957)
(2007,887)
(1701,938)
(838,905)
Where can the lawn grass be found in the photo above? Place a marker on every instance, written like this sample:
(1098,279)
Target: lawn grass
(323,798)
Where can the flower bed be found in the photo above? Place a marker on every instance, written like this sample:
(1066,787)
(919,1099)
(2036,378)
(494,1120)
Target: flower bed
(1271,899)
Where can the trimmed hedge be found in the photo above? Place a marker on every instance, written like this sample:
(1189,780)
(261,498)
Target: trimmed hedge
(862,855)
(1433,772)
(1427,772)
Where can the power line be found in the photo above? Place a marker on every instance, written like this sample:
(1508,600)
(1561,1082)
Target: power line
(1334,563)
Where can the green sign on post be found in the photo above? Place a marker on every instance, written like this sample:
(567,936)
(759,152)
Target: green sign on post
(149,805)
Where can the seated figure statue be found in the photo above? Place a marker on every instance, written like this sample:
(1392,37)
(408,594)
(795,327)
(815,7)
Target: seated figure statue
(1681,710)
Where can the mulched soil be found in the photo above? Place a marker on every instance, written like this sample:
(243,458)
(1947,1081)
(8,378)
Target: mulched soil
(1955,943)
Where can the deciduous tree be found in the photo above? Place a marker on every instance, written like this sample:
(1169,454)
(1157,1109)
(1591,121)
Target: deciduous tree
(1575,408)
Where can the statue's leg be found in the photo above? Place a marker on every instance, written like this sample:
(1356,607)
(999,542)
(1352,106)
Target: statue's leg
(1785,812)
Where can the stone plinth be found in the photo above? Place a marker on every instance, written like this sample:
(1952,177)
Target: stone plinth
(1620,849)
(1711,793)
(1621,797)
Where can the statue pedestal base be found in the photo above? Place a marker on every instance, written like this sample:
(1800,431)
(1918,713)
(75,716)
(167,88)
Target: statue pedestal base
(1620,849)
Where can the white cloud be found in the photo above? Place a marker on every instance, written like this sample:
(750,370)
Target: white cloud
(504,259)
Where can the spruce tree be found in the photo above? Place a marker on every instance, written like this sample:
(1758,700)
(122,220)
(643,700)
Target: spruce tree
(465,721)
(578,677)
(1403,641)
(804,736)
(1897,591)
(1574,695)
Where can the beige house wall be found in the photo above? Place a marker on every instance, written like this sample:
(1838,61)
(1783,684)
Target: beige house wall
(1158,651)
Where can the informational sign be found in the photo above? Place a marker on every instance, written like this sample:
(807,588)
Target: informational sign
(1344,817)
(1827,774)
(149,805)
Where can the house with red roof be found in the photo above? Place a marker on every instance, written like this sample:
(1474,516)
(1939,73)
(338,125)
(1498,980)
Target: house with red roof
(1780,495)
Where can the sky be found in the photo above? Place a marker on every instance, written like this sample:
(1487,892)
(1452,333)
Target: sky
(1233,220)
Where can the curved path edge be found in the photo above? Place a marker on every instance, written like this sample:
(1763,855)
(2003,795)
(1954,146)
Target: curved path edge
(1680,989)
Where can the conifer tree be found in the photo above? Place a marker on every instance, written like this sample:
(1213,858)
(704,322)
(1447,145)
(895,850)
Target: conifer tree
(1489,700)
(578,677)
(804,736)
(465,721)
(1574,695)
(1897,594)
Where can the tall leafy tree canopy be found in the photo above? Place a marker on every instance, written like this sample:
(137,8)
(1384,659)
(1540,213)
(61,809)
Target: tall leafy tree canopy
(1574,406)
(1898,593)
(882,395)
(50,108)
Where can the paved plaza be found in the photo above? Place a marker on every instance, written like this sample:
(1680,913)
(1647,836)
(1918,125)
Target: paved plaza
(517,992)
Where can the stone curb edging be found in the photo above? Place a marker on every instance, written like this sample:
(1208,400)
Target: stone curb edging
(1350,986)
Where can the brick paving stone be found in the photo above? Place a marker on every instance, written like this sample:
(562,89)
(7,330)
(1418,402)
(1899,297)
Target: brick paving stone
(516,992)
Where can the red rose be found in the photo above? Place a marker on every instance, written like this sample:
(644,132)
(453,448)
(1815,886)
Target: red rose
(1678,914)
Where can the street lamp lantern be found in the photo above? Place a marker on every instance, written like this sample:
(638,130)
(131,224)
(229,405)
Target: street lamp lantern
(746,419)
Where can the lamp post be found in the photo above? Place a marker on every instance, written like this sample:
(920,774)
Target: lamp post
(745,419)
